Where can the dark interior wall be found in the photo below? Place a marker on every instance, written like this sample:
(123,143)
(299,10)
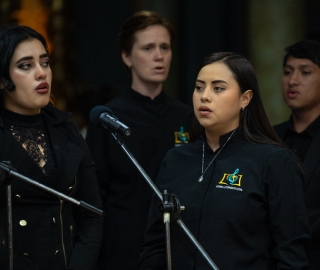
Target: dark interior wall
(312,19)
(97,27)
(208,27)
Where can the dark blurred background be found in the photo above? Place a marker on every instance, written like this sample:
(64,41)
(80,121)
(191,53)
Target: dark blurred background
(86,63)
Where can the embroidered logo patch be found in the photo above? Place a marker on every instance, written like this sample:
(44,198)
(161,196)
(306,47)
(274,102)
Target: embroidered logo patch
(181,137)
(231,181)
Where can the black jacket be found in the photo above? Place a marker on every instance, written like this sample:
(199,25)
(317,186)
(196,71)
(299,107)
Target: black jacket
(247,213)
(49,233)
(156,126)
(311,165)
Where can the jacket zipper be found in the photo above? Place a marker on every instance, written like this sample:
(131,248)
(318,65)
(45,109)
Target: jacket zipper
(71,233)
(61,224)
(74,186)
(62,241)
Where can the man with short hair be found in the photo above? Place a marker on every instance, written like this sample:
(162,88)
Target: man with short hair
(301,133)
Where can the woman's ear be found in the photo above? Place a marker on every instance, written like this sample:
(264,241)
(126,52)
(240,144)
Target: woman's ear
(126,59)
(246,98)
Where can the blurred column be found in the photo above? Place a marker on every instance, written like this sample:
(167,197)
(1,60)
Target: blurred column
(4,11)
(273,25)
(62,27)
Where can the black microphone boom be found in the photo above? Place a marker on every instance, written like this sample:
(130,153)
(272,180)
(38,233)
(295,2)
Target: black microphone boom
(102,116)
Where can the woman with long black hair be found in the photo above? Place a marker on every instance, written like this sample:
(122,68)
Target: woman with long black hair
(242,190)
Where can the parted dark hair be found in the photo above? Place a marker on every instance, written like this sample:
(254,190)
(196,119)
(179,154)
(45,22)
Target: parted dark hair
(254,123)
(308,49)
(10,36)
(139,21)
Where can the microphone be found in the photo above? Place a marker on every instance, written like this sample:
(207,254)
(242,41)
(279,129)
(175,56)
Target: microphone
(102,116)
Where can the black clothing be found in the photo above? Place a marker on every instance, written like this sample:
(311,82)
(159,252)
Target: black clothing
(156,126)
(311,162)
(31,132)
(49,233)
(247,213)
(298,142)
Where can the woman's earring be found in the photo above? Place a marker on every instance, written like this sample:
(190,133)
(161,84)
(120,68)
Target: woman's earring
(242,109)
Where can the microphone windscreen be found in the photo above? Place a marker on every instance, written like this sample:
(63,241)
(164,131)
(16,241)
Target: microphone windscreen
(96,112)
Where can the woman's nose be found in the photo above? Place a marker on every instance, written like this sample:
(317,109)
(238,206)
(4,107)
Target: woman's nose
(40,72)
(205,95)
(158,54)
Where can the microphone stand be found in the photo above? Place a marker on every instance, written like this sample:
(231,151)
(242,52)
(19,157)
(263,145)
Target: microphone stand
(170,207)
(6,174)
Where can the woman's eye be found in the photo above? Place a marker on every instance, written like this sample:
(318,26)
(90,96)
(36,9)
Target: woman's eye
(218,89)
(45,64)
(198,87)
(24,66)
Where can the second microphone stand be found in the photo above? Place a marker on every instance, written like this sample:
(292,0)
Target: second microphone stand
(171,209)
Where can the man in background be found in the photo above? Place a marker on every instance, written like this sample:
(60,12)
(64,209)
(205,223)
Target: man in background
(301,133)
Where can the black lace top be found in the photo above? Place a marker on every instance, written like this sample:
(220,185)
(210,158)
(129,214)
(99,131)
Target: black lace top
(31,133)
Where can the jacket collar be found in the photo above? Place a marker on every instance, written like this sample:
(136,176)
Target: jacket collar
(51,114)
(161,98)
(54,115)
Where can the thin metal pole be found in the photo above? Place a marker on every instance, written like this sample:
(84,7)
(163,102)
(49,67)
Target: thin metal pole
(168,241)
(10,236)
(197,244)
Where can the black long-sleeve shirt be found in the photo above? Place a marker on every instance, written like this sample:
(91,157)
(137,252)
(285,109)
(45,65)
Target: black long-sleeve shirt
(49,232)
(156,126)
(253,220)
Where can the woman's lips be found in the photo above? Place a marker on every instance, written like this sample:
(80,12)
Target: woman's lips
(203,110)
(42,88)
